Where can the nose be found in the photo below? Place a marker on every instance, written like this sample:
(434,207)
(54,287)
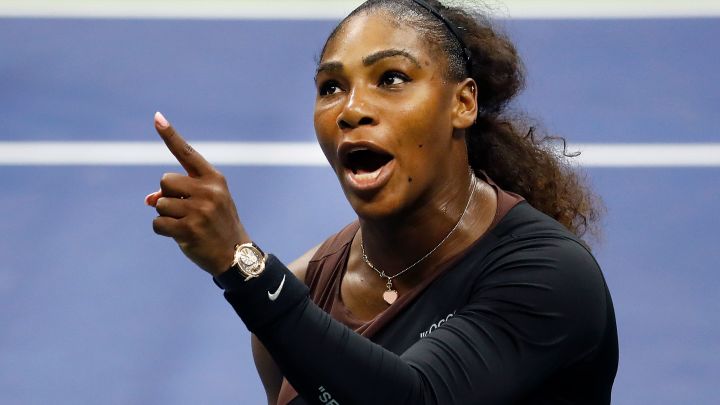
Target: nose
(356,112)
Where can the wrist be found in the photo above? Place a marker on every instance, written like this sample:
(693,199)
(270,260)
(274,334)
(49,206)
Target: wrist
(223,265)
(248,260)
(265,298)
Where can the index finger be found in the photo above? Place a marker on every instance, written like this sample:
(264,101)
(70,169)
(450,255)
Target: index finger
(194,163)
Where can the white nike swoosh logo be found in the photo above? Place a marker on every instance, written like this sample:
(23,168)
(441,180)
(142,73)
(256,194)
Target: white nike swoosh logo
(276,294)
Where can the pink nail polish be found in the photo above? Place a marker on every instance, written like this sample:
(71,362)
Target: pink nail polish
(161,121)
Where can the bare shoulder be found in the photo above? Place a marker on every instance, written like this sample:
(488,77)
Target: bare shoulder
(299,266)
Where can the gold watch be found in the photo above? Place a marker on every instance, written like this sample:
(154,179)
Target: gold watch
(249,260)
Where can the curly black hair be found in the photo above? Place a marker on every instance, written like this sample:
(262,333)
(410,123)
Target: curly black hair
(502,143)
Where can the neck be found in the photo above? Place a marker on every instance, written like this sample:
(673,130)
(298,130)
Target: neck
(439,228)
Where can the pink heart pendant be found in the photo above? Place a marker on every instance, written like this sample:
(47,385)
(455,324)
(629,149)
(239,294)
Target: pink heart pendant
(390,296)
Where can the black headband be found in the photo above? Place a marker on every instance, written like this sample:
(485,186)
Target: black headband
(454,30)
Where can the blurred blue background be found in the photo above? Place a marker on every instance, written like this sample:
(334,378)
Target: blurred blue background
(95,308)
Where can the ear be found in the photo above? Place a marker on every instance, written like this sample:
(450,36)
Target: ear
(465,108)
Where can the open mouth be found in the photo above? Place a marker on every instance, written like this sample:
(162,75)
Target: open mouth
(365,161)
(367,166)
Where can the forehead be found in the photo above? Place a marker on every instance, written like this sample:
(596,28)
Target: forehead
(367,33)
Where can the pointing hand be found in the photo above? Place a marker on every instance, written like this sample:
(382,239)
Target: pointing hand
(196,209)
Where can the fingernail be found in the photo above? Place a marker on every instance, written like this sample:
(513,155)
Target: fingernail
(161,121)
(151,199)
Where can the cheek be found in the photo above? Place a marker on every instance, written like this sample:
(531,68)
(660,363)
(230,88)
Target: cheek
(425,144)
(427,116)
(318,118)
(325,132)
(424,131)
(414,161)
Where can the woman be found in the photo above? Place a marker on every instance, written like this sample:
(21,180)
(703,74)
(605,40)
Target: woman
(464,279)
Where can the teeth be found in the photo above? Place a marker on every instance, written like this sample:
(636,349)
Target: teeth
(367,176)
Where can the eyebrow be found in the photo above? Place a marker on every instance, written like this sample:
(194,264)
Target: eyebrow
(389,53)
(328,67)
(370,60)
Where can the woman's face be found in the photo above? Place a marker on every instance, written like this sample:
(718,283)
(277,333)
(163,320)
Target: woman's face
(385,115)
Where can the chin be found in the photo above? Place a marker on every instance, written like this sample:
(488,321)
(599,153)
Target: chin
(383,204)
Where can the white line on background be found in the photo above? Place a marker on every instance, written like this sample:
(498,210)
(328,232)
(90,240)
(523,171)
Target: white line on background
(309,154)
(155,153)
(336,9)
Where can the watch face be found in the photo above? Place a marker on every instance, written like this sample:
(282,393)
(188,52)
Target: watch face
(247,257)
(249,260)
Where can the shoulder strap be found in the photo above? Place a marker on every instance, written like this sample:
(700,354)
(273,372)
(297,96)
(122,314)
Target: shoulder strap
(331,246)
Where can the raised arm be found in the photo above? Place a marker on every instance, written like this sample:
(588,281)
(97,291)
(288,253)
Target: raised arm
(269,372)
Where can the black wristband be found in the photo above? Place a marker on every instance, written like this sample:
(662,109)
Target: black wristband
(261,300)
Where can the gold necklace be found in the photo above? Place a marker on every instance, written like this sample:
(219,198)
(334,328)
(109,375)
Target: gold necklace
(391,295)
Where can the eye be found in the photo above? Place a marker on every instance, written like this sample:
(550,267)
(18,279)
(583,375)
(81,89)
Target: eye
(393,78)
(329,87)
